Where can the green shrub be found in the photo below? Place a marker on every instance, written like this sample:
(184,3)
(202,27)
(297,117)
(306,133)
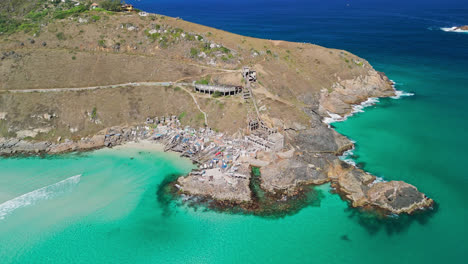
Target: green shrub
(194,52)
(95,18)
(111,5)
(60,36)
(94,113)
(73,57)
(8,26)
(163,42)
(36,16)
(102,43)
(217,94)
(205,81)
(225,50)
(200,116)
(28,27)
(182,115)
(61,14)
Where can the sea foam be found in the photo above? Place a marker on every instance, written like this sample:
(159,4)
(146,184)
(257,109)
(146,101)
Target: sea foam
(399,94)
(453,29)
(347,156)
(359,108)
(43,193)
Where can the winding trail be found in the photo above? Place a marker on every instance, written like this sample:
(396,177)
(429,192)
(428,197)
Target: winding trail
(196,103)
(46,90)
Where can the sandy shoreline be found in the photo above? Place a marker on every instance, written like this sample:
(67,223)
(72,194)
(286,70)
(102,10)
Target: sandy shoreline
(152,146)
(142,145)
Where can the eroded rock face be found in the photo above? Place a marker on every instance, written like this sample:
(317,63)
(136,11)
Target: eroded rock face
(13,146)
(217,185)
(351,182)
(95,142)
(354,91)
(397,197)
(19,146)
(321,139)
(287,174)
(360,189)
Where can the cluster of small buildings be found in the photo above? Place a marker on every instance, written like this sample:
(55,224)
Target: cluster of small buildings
(204,146)
(124,7)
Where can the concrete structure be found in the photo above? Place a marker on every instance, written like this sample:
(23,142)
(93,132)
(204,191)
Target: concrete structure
(274,142)
(249,75)
(224,90)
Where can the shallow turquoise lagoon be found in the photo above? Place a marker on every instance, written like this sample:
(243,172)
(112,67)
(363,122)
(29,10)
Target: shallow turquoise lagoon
(112,214)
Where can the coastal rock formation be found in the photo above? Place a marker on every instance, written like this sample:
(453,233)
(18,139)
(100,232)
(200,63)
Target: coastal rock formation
(94,142)
(19,146)
(286,175)
(397,197)
(346,93)
(216,185)
(320,139)
(351,182)
(14,146)
(361,190)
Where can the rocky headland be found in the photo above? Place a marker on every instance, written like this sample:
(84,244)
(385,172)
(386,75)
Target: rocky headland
(104,77)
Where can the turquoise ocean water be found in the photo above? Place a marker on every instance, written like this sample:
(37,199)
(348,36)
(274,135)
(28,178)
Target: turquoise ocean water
(112,213)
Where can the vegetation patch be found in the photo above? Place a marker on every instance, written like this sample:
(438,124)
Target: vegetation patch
(60,36)
(102,43)
(182,115)
(204,81)
(194,52)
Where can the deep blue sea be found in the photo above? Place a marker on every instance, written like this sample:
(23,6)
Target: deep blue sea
(112,213)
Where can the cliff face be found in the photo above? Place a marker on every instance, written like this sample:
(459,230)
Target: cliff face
(346,93)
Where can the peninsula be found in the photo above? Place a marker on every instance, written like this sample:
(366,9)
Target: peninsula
(81,76)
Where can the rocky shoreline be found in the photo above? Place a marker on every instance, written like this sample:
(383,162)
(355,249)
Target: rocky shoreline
(312,159)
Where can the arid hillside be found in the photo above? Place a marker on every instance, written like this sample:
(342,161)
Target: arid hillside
(131,66)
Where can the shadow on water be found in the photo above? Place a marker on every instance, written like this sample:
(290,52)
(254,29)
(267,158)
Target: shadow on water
(164,195)
(374,221)
(263,204)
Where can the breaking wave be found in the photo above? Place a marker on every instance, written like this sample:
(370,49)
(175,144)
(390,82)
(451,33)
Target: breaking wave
(399,94)
(347,156)
(43,193)
(358,108)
